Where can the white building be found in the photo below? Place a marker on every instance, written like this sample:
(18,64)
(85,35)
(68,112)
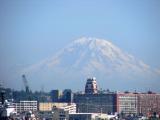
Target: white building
(89,116)
(7,110)
(62,113)
(26,106)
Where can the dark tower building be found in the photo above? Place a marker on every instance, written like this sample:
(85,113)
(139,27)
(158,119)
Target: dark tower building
(55,95)
(91,86)
(67,96)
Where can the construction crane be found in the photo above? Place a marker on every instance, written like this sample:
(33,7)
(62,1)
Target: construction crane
(25,83)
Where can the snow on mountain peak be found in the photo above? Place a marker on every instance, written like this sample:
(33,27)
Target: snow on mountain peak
(92,44)
(92,40)
(88,56)
(88,51)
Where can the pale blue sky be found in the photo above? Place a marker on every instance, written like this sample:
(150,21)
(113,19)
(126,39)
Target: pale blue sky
(31,30)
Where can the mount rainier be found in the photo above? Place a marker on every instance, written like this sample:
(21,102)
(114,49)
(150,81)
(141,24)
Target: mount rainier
(92,57)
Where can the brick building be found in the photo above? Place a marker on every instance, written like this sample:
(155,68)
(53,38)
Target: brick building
(127,103)
(148,103)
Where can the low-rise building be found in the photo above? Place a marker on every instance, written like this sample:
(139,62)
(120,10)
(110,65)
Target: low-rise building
(62,113)
(47,106)
(88,116)
(148,103)
(127,103)
(23,106)
(138,103)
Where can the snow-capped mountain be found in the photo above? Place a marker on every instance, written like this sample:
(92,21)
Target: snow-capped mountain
(88,57)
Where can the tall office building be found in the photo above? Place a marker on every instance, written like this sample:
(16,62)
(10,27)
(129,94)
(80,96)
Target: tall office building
(91,86)
(55,95)
(67,96)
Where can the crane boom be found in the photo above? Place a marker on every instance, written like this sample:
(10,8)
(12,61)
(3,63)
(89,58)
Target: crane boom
(25,83)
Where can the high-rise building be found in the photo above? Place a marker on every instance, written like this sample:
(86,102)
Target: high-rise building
(55,95)
(91,86)
(94,102)
(67,96)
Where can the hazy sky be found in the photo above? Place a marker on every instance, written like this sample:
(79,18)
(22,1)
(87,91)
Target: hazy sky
(31,30)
